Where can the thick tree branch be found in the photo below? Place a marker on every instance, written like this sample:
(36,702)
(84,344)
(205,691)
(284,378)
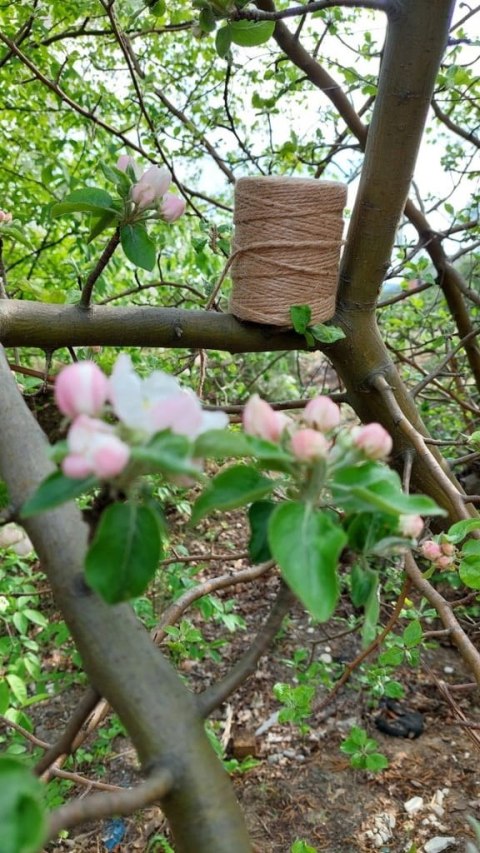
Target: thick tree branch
(50,326)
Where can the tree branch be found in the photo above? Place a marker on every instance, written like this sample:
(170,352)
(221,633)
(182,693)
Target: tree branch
(97,271)
(51,326)
(466,648)
(319,5)
(100,806)
(247,664)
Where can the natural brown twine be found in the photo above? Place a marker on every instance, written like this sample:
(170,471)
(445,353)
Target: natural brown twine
(286,248)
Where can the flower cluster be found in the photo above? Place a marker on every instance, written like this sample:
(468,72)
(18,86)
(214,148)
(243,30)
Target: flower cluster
(442,554)
(150,190)
(321,417)
(142,406)
(319,439)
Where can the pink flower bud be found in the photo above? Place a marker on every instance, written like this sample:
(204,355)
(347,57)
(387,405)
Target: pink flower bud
(373,440)
(172,207)
(5,217)
(431,550)
(448,548)
(124,161)
(261,420)
(81,389)
(322,413)
(411,525)
(444,562)
(308,444)
(94,449)
(151,187)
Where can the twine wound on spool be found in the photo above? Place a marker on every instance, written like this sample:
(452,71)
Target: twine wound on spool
(286,249)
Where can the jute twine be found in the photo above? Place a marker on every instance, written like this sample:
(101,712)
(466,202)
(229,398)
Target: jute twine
(286,248)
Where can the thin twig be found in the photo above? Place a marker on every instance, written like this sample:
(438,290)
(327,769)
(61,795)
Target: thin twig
(99,806)
(99,267)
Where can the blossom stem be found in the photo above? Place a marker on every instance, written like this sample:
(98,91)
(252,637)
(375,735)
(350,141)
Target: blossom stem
(98,269)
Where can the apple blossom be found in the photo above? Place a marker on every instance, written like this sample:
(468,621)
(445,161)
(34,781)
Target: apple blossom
(5,217)
(448,548)
(261,420)
(373,440)
(94,449)
(150,189)
(172,207)
(308,444)
(431,550)
(124,161)
(157,403)
(411,525)
(322,414)
(81,389)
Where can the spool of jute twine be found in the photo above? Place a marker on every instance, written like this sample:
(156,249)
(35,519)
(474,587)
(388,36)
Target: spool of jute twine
(286,248)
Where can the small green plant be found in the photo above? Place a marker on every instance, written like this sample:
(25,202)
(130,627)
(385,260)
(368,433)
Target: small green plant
(302,847)
(362,750)
(297,703)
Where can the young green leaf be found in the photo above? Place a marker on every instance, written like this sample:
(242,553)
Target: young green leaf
(23,825)
(86,200)
(469,571)
(167,452)
(300,316)
(412,634)
(258,516)
(223,41)
(363,580)
(54,491)
(238,486)
(306,544)
(106,220)
(326,334)
(125,552)
(138,246)
(458,531)
(251,33)
(220,443)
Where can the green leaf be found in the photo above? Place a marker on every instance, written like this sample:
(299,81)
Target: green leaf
(361,488)
(307,544)
(106,220)
(413,634)
(220,443)
(18,687)
(87,200)
(355,741)
(169,452)
(469,571)
(458,531)
(300,316)
(138,246)
(158,8)
(238,486)
(23,826)
(4,696)
(375,762)
(326,334)
(251,33)
(371,613)
(363,580)
(125,552)
(394,690)
(259,515)
(391,657)
(207,20)
(223,41)
(54,491)
(4,498)
(14,232)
